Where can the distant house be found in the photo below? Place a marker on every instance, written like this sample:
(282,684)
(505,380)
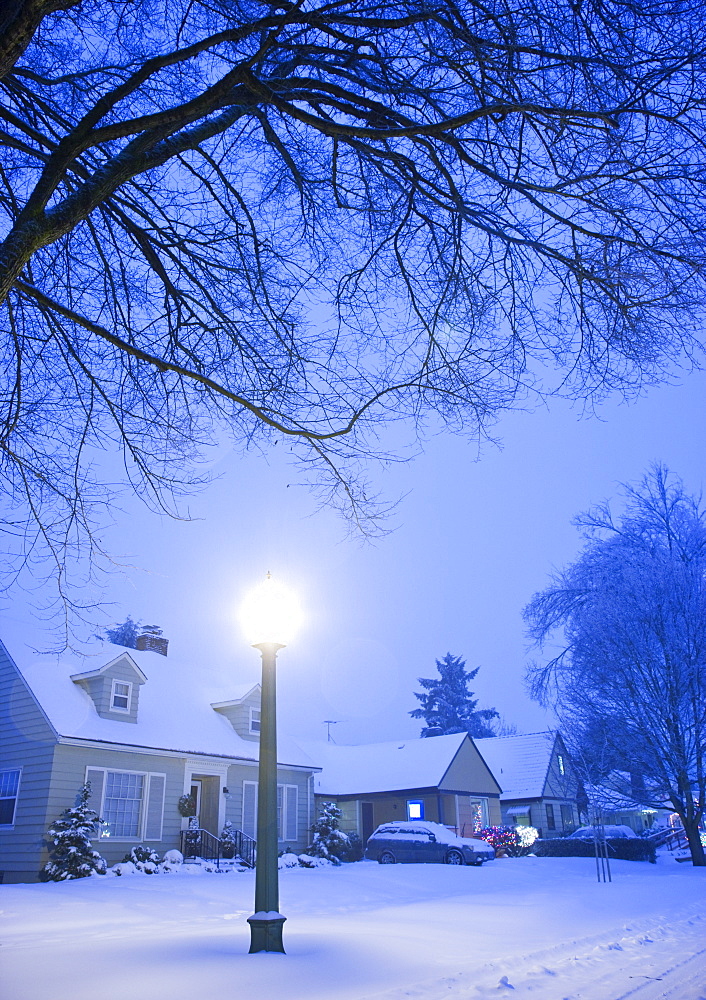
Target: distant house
(625,799)
(145,730)
(539,784)
(441,778)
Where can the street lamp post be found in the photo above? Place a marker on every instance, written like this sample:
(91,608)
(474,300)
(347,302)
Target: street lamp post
(269,617)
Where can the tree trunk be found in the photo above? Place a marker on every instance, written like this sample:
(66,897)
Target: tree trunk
(691,828)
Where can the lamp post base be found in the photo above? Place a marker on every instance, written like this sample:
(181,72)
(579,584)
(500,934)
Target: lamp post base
(266,932)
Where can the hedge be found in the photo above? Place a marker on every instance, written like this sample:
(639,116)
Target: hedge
(623,850)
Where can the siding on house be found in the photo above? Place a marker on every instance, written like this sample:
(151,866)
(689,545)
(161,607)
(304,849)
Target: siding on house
(237,712)
(27,743)
(70,771)
(468,771)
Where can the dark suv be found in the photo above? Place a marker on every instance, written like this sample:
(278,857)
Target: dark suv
(420,842)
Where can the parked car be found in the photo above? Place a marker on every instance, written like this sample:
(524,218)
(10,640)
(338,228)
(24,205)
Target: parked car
(423,842)
(612,832)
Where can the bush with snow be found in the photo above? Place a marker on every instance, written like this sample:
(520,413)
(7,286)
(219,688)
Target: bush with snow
(144,859)
(328,841)
(288,860)
(71,854)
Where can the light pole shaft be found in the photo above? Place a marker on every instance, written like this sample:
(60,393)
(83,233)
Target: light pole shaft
(266,881)
(266,922)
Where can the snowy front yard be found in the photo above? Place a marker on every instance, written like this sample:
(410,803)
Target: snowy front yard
(539,927)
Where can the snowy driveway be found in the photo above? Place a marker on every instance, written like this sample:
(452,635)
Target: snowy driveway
(527,927)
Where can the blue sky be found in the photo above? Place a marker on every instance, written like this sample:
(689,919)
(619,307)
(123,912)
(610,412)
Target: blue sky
(474,537)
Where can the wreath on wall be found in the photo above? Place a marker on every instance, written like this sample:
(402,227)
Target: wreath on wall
(187,805)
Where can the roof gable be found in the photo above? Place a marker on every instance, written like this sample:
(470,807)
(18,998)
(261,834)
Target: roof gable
(124,660)
(519,763)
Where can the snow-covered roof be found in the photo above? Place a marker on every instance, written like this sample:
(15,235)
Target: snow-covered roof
(519,763)
(175,708)
(383,767)
(616,794)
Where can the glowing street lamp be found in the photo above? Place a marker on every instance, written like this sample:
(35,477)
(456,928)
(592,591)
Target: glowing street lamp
(269,616)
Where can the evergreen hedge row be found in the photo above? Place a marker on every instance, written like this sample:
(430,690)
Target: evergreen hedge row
(623,850)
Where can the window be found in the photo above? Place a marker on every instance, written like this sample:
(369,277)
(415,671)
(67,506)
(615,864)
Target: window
(415,809)
(287,804)
(551,822)
(122,803)
(567,816)
(120,696)
(560,762)
(130,803)
(287,811)
(9,787)
(254,720)
(479,814)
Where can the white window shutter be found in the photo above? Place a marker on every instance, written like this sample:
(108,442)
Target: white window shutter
(291,812)
(250,808)
(96,778)
(155,807)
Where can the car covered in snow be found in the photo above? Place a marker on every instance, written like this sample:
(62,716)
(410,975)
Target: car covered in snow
(424,842)
(609,831)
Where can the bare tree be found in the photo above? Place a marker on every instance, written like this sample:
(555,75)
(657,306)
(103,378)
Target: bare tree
(631,678)
(293,220)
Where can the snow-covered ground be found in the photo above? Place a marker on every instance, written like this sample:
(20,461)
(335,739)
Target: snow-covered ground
(539,927)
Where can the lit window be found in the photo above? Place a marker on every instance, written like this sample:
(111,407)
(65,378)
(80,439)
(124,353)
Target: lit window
(479,814)
(254,720)
(9,786)
(415,809)
(120,697)
(560,762)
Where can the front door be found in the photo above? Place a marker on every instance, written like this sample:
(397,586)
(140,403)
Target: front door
(196,796)
(205,789)
(367,824)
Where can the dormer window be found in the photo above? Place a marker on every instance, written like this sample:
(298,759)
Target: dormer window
(255,721)
(120,696)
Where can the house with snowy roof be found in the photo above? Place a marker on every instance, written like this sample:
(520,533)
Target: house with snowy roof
(630,799)
(441,778)
(144,730)
(539,783)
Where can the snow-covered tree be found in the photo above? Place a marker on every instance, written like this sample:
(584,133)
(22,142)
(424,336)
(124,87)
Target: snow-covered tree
(629,682)
(71,854)
(328,841)
(447,704)
(124,634)
(228,840)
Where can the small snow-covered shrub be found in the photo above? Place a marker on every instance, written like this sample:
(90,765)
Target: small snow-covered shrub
(288,860)
(228,840)
(71,854)
(144,859)
(308,861)
(124,868)
(173,858)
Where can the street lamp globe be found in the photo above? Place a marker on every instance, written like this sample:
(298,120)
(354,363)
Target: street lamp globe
(270,614)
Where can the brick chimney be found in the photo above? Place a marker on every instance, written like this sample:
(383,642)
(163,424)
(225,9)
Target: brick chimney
(152,639)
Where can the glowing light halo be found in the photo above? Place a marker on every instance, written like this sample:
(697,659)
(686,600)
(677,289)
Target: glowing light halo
(270,613)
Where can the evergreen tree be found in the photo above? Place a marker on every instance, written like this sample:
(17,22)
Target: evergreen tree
(447,704)
(328,841)
(125,634)
(68,839)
